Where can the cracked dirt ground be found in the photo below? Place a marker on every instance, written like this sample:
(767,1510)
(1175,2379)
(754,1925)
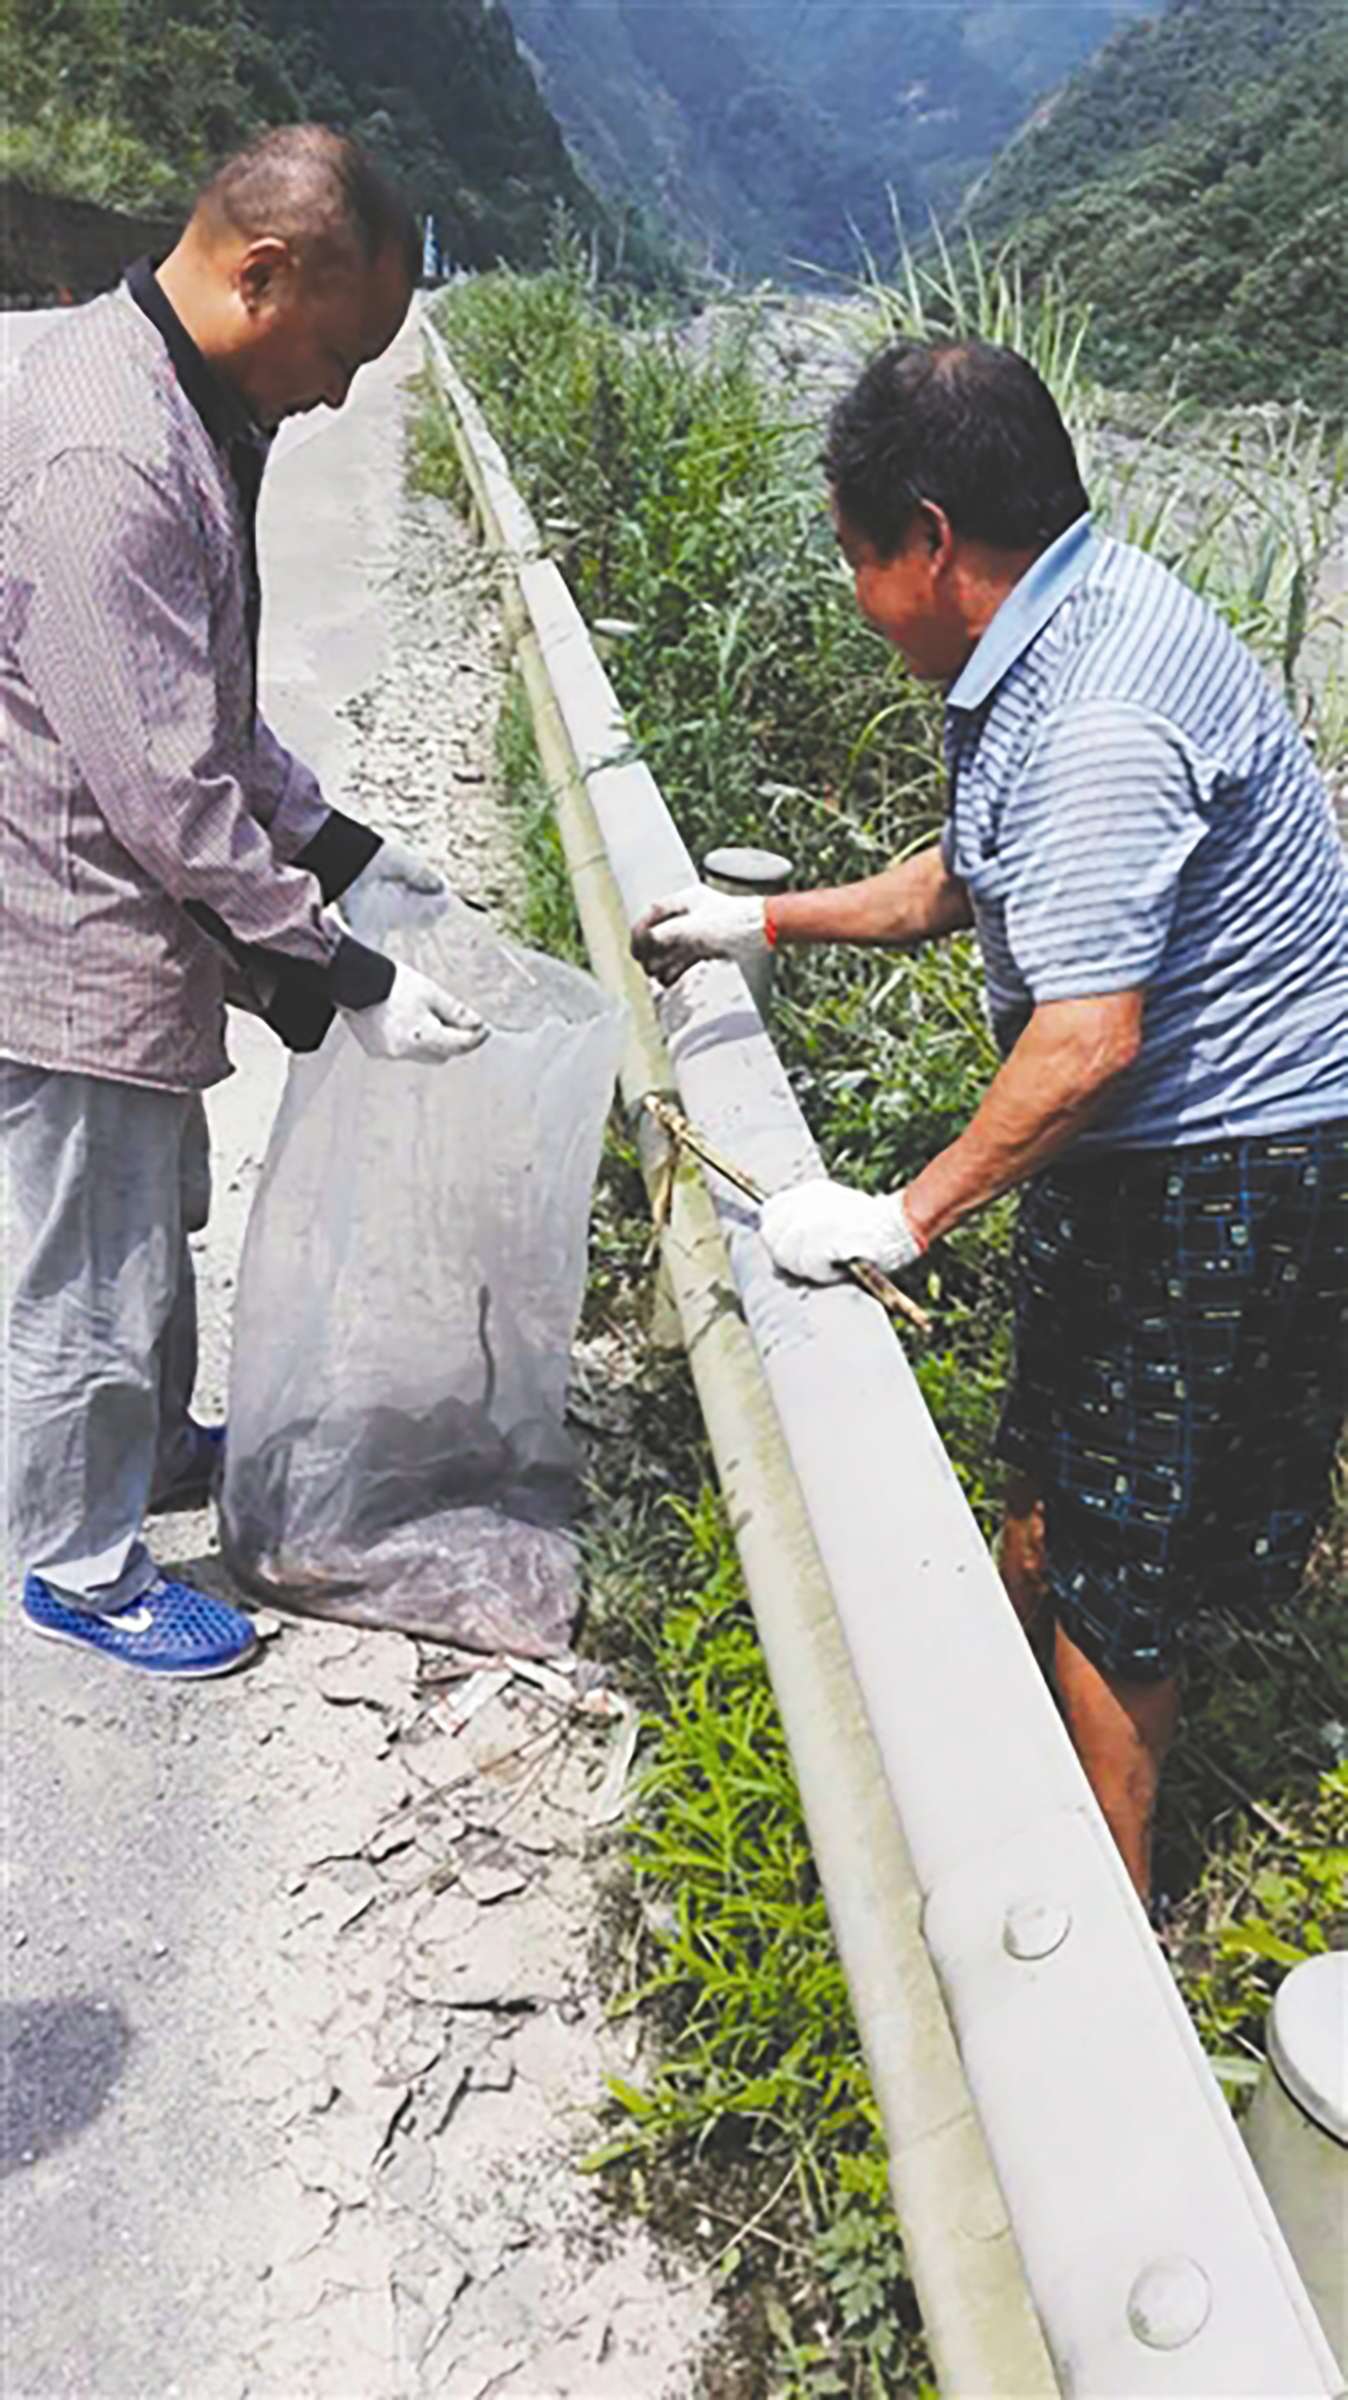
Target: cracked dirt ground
(301,2030)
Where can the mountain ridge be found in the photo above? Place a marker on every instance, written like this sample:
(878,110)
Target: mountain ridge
(1184,185)
(776,133)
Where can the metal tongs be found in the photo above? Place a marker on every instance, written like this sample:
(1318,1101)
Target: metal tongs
(869,1278)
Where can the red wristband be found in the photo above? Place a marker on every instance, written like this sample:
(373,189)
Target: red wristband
(771,929)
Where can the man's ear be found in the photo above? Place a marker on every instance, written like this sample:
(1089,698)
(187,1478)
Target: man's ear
(936,533)
(266,267)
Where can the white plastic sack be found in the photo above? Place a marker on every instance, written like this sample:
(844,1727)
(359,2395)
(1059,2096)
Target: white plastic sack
(410,1286)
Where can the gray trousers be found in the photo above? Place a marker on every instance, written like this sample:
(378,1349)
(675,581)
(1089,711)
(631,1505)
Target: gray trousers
(100,1185)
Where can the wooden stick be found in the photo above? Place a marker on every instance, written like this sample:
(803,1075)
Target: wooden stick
(870,1278)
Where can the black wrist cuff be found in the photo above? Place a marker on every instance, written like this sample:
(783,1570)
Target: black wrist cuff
(296,996)
(357,977)
(304,998)
(339,852)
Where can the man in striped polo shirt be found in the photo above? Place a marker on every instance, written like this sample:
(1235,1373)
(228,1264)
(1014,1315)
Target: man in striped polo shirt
(1140,839)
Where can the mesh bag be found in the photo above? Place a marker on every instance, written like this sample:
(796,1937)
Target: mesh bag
(408,1297)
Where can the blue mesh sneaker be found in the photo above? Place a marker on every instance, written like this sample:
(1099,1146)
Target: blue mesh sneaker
(200,1480)
(169,1630)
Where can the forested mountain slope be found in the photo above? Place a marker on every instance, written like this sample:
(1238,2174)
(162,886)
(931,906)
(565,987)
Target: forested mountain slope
(765,131)
(129,102)
(672,106)
(1190,184)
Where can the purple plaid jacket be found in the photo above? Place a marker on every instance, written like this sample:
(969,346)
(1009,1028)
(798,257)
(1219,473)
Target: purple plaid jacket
(150,821)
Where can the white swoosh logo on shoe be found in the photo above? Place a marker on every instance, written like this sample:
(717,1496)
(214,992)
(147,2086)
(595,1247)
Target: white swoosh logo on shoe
(131,1620)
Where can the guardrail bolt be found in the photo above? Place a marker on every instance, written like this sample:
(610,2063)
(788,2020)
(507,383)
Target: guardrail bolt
(1169,2303)
(1035,1928)
(756,873)
(1297,2132)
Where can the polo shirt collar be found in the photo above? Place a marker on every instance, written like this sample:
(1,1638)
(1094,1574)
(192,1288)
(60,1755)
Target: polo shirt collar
(220,409)
(1024,613)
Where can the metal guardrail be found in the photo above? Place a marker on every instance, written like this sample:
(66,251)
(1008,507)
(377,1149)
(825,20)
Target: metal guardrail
(1153,2259)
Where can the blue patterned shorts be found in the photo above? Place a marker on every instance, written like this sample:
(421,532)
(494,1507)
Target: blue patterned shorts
(1180,1380)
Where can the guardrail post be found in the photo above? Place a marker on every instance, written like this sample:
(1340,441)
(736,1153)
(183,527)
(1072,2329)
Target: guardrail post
(757,874)
(1297,2131)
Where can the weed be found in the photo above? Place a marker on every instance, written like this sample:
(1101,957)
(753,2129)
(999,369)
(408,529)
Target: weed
(1275,1897)
(548,918)
(760,2087)
(433,464)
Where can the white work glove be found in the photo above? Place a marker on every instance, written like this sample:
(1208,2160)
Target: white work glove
(396,884)
(694,924)
(418,1021)
(815,1228)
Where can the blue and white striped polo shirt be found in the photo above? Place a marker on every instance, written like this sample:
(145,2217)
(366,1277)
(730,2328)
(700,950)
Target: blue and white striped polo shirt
(1131,805)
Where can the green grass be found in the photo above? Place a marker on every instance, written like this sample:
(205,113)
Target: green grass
(760,2091)
(431,455)
(548,915)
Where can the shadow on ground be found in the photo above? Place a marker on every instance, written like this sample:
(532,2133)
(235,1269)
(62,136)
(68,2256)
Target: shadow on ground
(59,2062)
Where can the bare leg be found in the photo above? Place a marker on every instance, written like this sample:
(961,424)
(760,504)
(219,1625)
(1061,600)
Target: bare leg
(1020,1558)
(1121,1732)
(1020,1554)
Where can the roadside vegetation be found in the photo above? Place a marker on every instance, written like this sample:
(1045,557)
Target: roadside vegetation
(682,496)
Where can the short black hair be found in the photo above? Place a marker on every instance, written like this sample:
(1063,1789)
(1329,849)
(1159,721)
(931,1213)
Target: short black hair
(319,190)
(967,425)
